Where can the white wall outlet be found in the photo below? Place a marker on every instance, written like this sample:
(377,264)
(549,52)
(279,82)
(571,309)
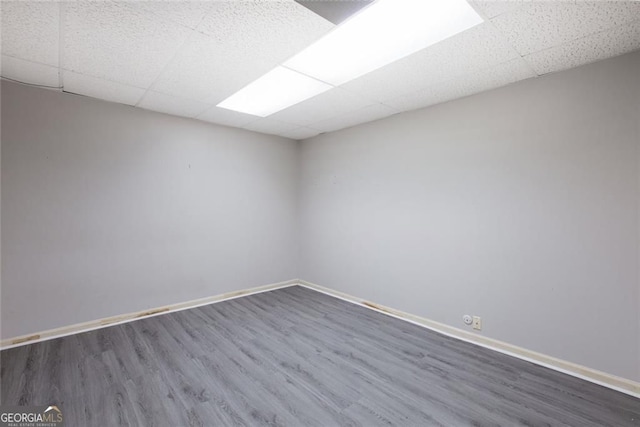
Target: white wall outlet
(467,319)
(477,323)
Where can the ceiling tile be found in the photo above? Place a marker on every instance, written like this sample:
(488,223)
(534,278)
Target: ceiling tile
(470,51)
(101,89)
(172,104)
(241,42)
(440,92)
(326,105)
(270,126)
(30,72)
(614,12)
(616,41)
(300,133)
(500,75)
(493,8)
(541,25)
(461,86)
(188,13)
(118,42)
(30,30)
(205,69)
(363,115)
(222,116)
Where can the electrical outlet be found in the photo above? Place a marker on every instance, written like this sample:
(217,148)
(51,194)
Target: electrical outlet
(477,323)
(467,319)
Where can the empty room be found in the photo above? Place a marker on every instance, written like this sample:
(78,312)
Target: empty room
(320,213)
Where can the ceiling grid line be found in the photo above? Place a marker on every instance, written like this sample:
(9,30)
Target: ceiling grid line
(165,67)
(187,40)
(506,40)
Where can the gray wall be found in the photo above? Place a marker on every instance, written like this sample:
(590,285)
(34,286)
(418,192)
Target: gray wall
(109,209)
(519,205)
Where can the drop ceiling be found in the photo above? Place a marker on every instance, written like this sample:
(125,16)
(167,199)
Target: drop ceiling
(184,57)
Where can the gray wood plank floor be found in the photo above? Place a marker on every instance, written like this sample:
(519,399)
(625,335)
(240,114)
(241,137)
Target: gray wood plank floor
(295,357)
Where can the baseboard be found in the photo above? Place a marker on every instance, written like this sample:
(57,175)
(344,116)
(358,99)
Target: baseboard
(592,375)
(130,317)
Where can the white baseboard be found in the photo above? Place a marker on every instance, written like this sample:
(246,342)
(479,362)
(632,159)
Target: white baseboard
(592,375)
(130,317)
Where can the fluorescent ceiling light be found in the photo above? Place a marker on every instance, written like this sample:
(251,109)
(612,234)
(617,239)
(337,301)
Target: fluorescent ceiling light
(379,34)
(276,90)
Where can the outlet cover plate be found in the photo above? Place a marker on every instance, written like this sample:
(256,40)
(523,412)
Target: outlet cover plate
(477,323)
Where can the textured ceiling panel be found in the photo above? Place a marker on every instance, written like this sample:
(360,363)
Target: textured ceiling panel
(188,13)
(363,115)
(470,51)
(172,104)
(614,12)
(500,75)
(539,25)
(118,42)
(101,89)
(300,133)
(226,117)
(469,84)
(616,41)
(30,72)
(326,105)
(270,126)
(30,30)
(200,72)
(441,92)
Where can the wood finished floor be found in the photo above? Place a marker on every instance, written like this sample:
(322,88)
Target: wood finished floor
(294,357)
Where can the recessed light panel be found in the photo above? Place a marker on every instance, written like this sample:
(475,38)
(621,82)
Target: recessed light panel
(276,90)
(382,33)
(379,34)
